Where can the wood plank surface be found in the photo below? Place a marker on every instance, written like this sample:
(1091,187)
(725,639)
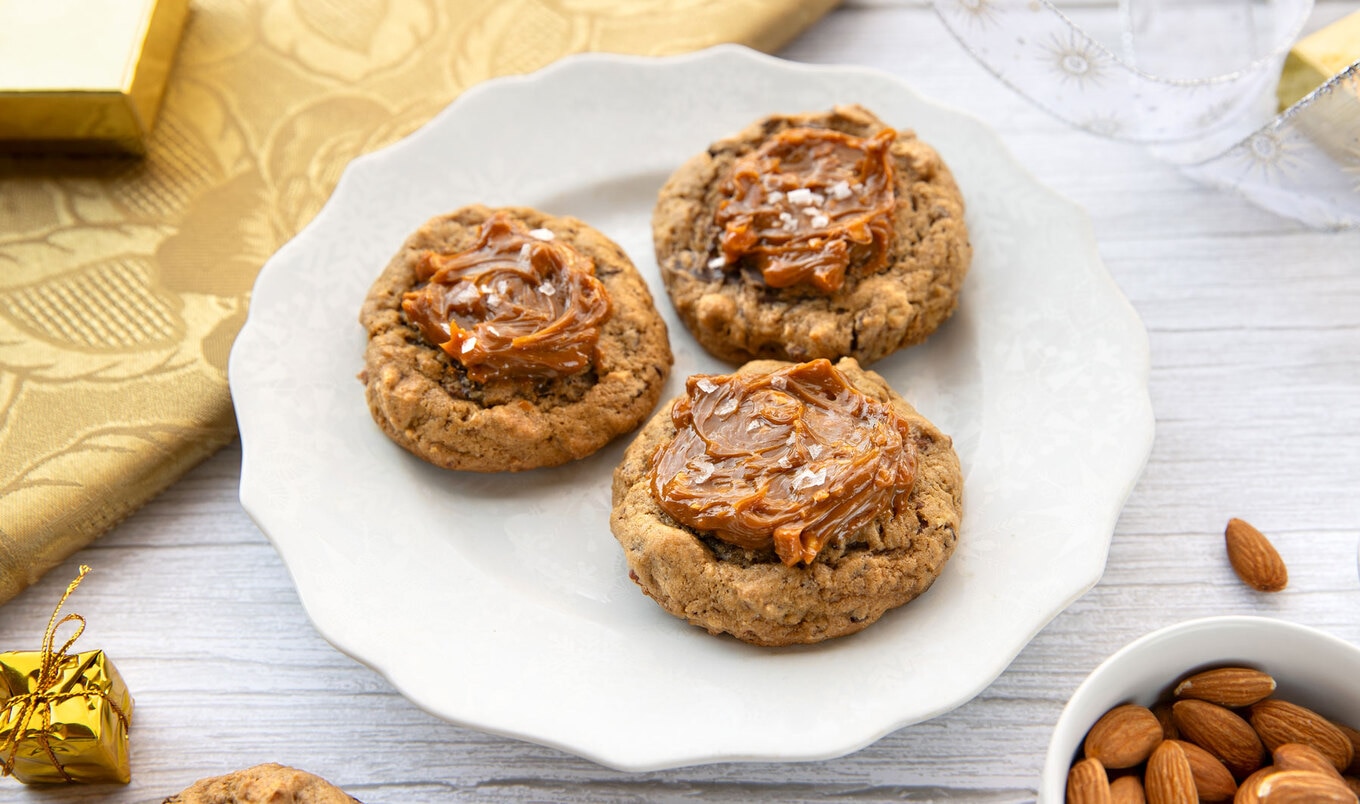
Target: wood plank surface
(1254,324)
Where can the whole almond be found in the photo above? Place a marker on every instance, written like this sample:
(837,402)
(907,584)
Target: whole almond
(1232,687)
(1354,737)
(1297,756)
(1213,780)
(1220,732)
(1246,792)
(1303,787)
(1127,790)
(1124,736)
(1088,784)
(1254,558)
(1168,779)
(1279,722)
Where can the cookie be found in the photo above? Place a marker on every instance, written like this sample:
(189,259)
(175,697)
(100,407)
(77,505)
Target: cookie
(851,509)
(508,339)
(263,784)
(812,235)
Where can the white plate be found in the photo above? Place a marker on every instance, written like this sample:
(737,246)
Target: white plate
(503,603)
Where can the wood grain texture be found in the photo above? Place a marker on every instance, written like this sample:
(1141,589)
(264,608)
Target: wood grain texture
(1254,324)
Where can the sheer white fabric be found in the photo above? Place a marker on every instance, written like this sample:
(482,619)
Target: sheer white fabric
(1194,79)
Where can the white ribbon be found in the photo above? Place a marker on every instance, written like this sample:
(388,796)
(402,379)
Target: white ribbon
(1304,163)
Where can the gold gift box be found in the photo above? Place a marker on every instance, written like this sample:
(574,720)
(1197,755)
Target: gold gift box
(82,718)
(1317,57)
(84,75)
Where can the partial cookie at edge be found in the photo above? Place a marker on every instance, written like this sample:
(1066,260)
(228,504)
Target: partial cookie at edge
(262,784)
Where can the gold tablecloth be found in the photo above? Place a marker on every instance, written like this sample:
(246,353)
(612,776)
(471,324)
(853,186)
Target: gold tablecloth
(123,283)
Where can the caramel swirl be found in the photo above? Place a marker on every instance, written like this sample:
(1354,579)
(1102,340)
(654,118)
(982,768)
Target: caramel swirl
(796,459)
(807,205)
(515,304)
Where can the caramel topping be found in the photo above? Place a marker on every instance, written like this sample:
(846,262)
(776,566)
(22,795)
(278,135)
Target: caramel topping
(796,459)
(516,304)
(807,205)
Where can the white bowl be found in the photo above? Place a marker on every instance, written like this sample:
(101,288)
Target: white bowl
(1310,667)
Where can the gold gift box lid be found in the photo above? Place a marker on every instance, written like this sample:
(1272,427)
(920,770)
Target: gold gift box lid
(84,75)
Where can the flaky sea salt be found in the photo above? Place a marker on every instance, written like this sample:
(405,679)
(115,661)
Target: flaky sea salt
(706,385)
(547,289)
(469,344)
(702,469)
(815,450)
(728,405)
(779,381)
(801,197)
(820,221)
(541,234)
(466,293)
(840,190)
(775,196)
(717,262)
(807,478)
(524,252)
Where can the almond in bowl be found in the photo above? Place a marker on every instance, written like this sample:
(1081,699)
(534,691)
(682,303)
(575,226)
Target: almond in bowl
(1252,710)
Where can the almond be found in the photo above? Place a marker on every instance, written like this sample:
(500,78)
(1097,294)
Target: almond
(1213,780)
(1221,733)
(1088,784)
(1124,736)
(1168,779)
(1232,687)
(1127,790)
(1303,787)
(1354,737)
(1246,792)
(1297,756)
(1163,712)
(1254,558)
(1280,722)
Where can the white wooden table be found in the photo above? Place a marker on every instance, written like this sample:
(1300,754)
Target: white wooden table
(1255,333)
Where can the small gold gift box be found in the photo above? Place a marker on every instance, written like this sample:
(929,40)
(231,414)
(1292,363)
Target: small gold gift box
(84,75)
(66,715)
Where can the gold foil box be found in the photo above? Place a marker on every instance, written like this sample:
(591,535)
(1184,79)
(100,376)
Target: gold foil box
(82,719)
(1317,57)
(84,75)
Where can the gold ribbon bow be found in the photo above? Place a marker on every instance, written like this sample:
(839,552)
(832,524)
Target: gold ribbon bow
(39,700)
